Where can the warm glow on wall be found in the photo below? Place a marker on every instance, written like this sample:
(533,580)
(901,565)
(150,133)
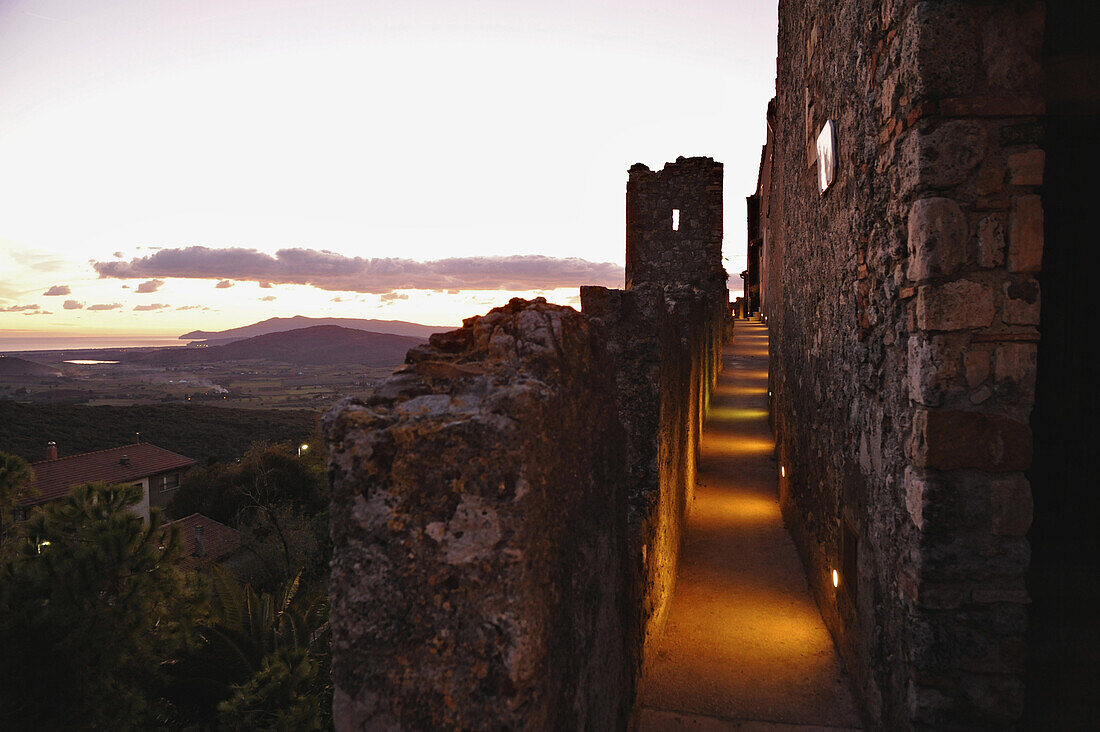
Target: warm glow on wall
(782,471)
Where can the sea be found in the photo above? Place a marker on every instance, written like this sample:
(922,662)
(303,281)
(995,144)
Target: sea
(15,342)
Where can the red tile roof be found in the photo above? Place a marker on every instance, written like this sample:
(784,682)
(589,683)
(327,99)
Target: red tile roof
(218,540)
(54,478)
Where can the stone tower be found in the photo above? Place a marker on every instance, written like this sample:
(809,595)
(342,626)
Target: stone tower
(674,225)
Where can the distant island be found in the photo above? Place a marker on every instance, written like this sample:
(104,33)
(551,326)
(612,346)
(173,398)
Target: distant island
(297,322)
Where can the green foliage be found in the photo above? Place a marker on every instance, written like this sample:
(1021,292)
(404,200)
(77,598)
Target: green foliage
(278,499)
(15,476)
(100,629)
(92,612)
(198,431)
(266,475)
(264,661)
(281,696)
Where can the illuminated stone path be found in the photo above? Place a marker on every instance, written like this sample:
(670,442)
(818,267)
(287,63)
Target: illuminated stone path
(744,647)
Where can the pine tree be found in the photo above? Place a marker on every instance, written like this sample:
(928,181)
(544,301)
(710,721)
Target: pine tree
(15,477)
(92,612)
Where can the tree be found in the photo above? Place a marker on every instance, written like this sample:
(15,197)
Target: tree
(280,696)
(92,613)
(278,498)
(15,477)
(263,663)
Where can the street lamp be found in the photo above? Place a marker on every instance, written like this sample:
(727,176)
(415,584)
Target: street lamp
(302,448)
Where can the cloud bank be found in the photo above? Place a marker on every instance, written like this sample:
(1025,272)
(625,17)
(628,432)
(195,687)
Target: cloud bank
(150,286)
(105,306)
(336,272)
(18,308)
(148,308)
(58,290)
(73,305)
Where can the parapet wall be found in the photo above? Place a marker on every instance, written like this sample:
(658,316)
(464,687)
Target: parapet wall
(658,343)
(480,576)
(508,507)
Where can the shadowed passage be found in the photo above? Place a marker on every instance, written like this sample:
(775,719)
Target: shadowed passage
(744,640)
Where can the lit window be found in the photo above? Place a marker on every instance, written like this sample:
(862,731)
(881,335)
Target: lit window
(675,219)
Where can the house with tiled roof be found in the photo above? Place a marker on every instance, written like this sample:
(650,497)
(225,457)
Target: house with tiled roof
(205,541)
(156,470)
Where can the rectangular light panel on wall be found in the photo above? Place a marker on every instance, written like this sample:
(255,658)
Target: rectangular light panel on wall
(826,156)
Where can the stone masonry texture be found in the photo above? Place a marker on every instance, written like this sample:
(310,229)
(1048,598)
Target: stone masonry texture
(658,345)
(508,507)
(665,333)
(480,578)
(891,300)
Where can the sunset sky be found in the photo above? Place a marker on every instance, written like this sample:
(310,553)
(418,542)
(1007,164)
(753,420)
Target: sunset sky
(167,166)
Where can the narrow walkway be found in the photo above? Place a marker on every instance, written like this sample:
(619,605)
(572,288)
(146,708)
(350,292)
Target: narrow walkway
(745,647)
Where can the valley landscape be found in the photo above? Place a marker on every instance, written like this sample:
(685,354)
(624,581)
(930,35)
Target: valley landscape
(284,363)
(208,397)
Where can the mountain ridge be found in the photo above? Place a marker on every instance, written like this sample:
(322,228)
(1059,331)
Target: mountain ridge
(318,344)
(298,322)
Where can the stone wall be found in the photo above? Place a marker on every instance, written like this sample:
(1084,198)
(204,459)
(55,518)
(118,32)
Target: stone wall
(903,307)
(480,577)
(508,508)
(682,251)
(657,343)
(665,333)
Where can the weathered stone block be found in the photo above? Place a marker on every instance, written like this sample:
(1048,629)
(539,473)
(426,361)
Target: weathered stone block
(951,439)
(1021,302)
(1014,376)
(976,363)
(943,157)
(1012,43)
(937,238)
(991,177)
(954,306)
(1025,234)
(991,242)
(1026,168)
(1010,505)
(933,368)
(917,487)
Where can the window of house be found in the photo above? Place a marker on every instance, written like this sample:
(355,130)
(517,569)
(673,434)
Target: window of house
(171,482)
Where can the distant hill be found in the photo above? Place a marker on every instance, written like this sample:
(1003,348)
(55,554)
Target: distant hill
(15,366)
(279,325)
(320,344)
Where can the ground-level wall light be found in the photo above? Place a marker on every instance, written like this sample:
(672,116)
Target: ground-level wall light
(782,471)
(836,578)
